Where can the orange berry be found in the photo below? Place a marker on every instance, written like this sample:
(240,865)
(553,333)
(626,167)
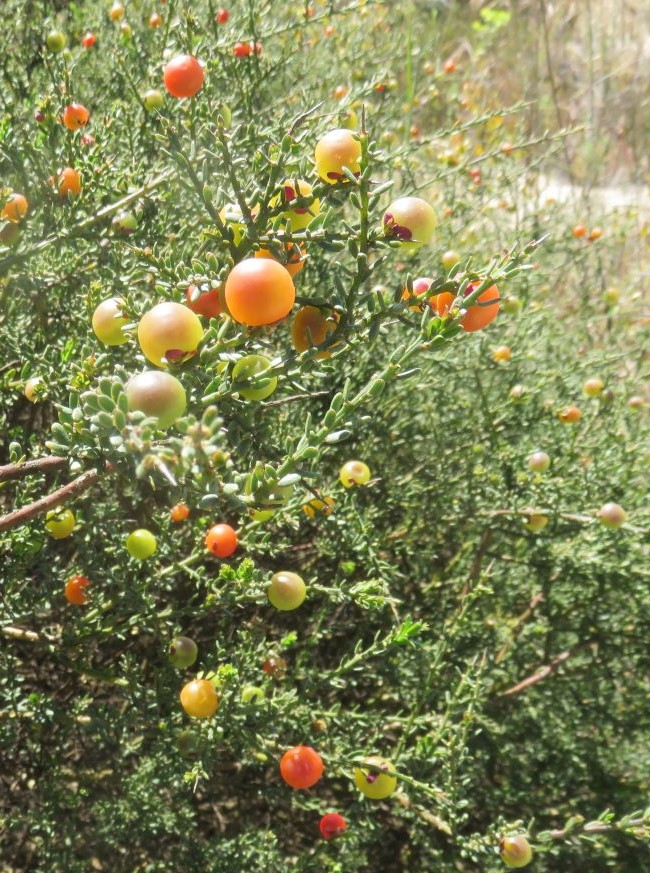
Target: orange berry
(15,209)
(74,590)
(179,512)
(75,116)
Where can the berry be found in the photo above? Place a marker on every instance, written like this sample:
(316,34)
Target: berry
(158,395)
(248,379)
(169,333)
(183,76)
(141,544)
(56,41)
(593,387)
(180,512)
(153,100)
(221,540)
(108,322)
(182,652)
(75,116)
(376,781)
(60,523)
(337,149)
(287,591)
(535,522)
(539,462)
(515,851)
(222,16)
(15,209)
(570,415)
(75,590)
(88,40)
(311,326)
(612,515)
(354,473)
(296,217)
(301,767)
(259,292)
(209,304)
(410,220)
(69,182)
(332,825)
(199,698)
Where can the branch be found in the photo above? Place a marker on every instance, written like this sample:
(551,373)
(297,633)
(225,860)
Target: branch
(18,471)
(61,495)
(543,672)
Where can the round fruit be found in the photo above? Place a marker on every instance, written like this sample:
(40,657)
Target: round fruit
(292,257)
(612,515)
(182,652)
(155,19)
(593,387)
(595,233)
(183,76)
(248,381)
(318,507)
(479,314)
(15,209)
(252,694)
(75,590)
(56,41)
(287,591)
(449,259)
(410,220)
(501,354)
(376,781)
(535,522)
(75,116)
(275,666)
(515,851)
(301,767)
(420,287)
(539,462)
(170,331)
(311,327)
(153,100)
(222,16)
(125,223)
(141,544)
(88,40)
(354,473)
(570,415)
(209,304)
(116,12)
(158,395)
(199,698)
(579,230)
(180,512)
(337,149)
(69,182)
(332,825)
(221,540)
(108,322)
(32,387)
(297,217)
(259,292)
(636,402)
(60,523)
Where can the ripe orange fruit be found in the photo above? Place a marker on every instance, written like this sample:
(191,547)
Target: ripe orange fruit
(450,66)
(579,231)
(155,19)
(478,316)
(74,590)
(570,415)
(179,512)
(209,304)
(221,540)
(420,287)
(595,233)
(199,698)
(69,182)
(301,767)
(311,327)
(292,257)
(15,209)
(183,76)
(75,116)
(259,291)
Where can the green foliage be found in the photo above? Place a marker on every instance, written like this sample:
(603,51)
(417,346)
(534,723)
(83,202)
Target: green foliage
(503,672)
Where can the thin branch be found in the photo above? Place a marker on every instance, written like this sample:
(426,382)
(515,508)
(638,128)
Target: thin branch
(543,672)
(39,465)
(56,498)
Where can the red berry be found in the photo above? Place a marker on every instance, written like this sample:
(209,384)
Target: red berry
(222,16)
(241,49)
(88,40)
(332,825)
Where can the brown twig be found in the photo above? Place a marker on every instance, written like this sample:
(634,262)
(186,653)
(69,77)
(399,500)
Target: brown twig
(543,672)
(39,465)
(56,498)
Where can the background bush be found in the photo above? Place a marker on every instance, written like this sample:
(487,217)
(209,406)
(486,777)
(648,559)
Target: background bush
(430,603)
